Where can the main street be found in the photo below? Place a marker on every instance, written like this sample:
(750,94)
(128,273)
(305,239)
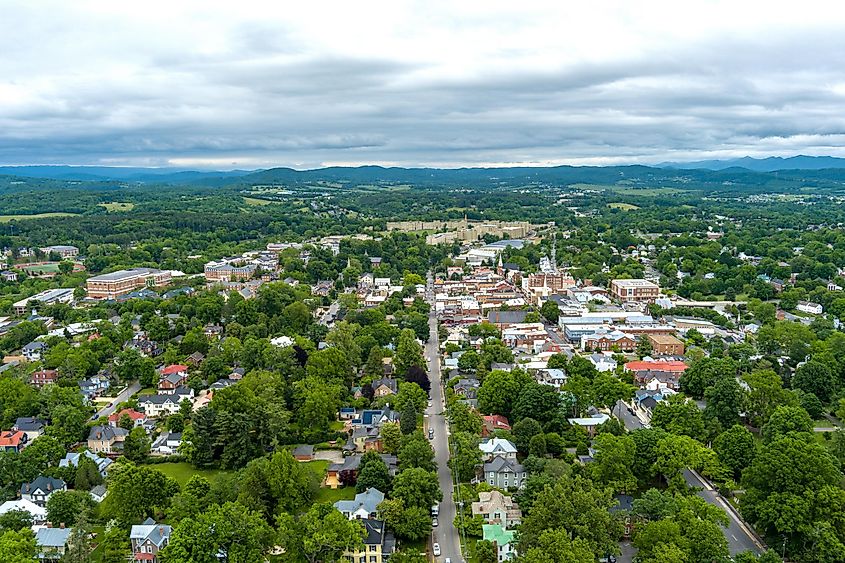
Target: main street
(445,534)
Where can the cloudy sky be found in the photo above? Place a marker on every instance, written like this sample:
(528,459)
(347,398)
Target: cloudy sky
(459,83)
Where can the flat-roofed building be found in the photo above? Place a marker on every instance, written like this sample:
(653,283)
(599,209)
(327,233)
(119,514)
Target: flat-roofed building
(634,290)
(115,284)
(665,344)
(63,250)
(48,297)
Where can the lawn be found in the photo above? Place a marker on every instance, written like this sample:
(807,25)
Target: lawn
(181,472)
(51,267)
(118,206)
(256,201)
(326,494)
(7,218)
(622,206)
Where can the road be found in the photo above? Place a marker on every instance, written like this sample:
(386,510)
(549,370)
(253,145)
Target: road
(737,533)
(630,421)
(121,397)
(445,534)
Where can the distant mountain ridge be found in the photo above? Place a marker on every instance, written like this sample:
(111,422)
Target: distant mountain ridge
(119,173)
(770,164)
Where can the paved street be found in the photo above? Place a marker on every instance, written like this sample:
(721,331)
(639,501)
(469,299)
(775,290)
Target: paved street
(630,420)
(122,396)
(739,537)
(445,534)
(329,316)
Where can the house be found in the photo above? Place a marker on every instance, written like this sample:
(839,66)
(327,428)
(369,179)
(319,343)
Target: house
(810,307)
(148,539)
(365,505)
(504,472)
(384,386)
(339,474)
(303,453)
(71,459)
(12,441)
(497,508)
(497,447)
(31,426)
(40,490)
(552,376)
(665,345)
(501,538)
(106,439)
(602,362)
(44,377)
(590,422)
(668,372)
(607,340)
(137,418)
(379,543)
(157,405)
(645,400)
(195,359)
(98,493)
(33,351)
(213,332)
(94,386)
(494,422)
(172,377)
(37,513)
(52,543)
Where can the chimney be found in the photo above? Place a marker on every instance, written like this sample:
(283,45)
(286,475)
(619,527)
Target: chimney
(161,530)
(49,524)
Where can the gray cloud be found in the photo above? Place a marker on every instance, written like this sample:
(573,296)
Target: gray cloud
(87,85)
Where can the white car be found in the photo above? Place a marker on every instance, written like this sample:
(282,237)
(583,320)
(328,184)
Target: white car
(436,549)
(434,523)
(429,404)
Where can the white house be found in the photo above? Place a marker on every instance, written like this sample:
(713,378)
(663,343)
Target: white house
(810,307)
(602,362)
(38,513)
(497,447)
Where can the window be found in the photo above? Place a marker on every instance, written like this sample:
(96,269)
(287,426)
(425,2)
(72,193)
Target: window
(373,547)
(373,559)
(491,482)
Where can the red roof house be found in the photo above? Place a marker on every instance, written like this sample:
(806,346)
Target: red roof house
(138,418)
(494,422)
(12,440)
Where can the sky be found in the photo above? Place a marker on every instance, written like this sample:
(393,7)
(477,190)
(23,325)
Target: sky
(461,83)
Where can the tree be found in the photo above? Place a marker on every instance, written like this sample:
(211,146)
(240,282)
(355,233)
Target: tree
(408,352)
(269,485)
(542,402)
(644,347)
(704,373)
(613,462)
(766,393)
(64,507)
(462,418)
(193,499)
(677,415)
(485,552)
(411,523)
(79,546)
(18,547)
(125,421)
(469,361)
(735,448)
(816,378)
(318,403)
(555,546)
(410,393)
(230,532)
(329,365)
(322,534)
(416,452)
(785,420)
(646,441)
(373,473)
(176,422)
(408,419)
(136,447)
(136,491)
(418,375)
(675,453)
(523,431)
(15,520)
(725,400)
(417,487)
(465,455)
(550,311)
(498,392)
(537,446)
(608,390)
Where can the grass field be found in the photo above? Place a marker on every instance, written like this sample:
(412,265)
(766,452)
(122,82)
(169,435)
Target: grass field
(51,268)
(7,218)
(181,472)
(118,206)
(256,201)
(331,496)
(622,206)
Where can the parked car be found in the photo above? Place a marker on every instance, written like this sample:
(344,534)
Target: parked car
(434,523)
(436,549)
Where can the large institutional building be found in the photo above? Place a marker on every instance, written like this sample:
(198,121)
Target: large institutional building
(634,290)
(115,284)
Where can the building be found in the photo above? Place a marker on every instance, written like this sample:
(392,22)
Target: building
(384,387)
(172,377)
(494,422)
(44,377)
(502,539)
(106,439)
(12,441)
(49,297)
(364,506)
(71,459)
(226,271)
(602,362)
(115,284)
(165,404)
(40,490)
(63,250)
(634,290)
(590,423)
(665,345)
(148,539)
(33,351)
(809,307)
(31,426)
(497,508)
(497,447)
(378,543)
(504,473)
(504,319)
(52,543)
(37,513)
(137,418)
(608,340)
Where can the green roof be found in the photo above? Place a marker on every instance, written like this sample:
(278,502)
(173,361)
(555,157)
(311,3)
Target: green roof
(497,533)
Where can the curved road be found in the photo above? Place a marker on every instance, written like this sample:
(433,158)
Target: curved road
(445,533)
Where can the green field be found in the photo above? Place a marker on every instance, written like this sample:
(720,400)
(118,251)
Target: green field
(7,218)
(181,472)
(50,268)
(256,201)
(623,206)
(118,206)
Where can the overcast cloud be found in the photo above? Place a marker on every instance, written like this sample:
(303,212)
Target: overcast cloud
(304,84)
